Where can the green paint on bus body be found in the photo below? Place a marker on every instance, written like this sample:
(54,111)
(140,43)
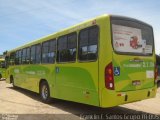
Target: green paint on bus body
(134,70)
(3,72)
(84,82)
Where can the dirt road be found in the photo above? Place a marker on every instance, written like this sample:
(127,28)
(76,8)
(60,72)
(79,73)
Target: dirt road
(23,104)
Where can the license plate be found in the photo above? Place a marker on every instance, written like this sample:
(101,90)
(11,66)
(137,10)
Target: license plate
(136,82)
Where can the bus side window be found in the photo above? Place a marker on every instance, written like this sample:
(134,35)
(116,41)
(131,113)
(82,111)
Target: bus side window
(17,58)
(49,51)
(20,56)
(93,42)
(67,48)
(62,49)
(24,52)
(72,45)
(83,42)
(12,59)
(33,54)
(38,54)
(28,55)
(45,50)
(88,43)
(52,51)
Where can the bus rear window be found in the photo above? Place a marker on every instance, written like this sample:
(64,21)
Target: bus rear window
(132,37)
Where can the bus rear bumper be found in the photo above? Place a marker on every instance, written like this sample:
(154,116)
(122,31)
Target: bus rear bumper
(112,98)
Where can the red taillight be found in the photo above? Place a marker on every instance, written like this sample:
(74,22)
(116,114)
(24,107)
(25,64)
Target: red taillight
(155,73)
(109,79)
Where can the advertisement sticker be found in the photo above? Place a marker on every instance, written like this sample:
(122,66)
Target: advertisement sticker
(127,39)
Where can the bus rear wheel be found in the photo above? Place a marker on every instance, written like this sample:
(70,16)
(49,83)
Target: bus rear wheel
(45,92)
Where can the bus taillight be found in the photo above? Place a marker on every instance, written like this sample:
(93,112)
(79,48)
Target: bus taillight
(109,79)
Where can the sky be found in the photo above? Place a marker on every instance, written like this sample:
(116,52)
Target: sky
(22,21)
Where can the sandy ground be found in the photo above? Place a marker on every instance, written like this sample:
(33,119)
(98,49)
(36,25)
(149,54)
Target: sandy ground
(22,104)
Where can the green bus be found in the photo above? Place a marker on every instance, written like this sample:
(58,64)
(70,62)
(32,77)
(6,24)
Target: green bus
(2,69)
(105,61)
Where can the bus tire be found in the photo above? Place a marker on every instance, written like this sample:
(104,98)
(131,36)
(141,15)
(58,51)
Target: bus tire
(45,92)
